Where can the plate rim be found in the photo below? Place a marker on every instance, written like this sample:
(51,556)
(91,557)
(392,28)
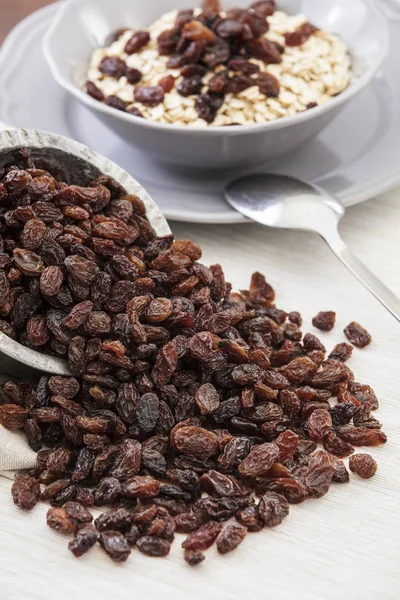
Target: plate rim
(363,192)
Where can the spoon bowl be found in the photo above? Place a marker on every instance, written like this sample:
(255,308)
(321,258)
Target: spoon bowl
(287,203)
(74,163)
(282,201)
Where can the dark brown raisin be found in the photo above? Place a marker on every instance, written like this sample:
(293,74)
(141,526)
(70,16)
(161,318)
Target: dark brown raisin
(112,66)
(115,545)
(325,321)
(193,557)
(25,491)
(341,352)
(94,91)
(153,546)
(357,335)
(230,537)
(85,538)
(363,465)
(273,508)
(137,41)
(149,96)
(301,35)
(203,538)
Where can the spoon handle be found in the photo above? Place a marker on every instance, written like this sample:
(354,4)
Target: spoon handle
(363,274)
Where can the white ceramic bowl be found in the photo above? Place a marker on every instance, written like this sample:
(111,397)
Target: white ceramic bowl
(83,25)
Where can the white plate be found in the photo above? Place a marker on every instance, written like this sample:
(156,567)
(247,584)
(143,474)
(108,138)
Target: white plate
(356,158)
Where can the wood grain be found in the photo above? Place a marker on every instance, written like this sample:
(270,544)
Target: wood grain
(12,11)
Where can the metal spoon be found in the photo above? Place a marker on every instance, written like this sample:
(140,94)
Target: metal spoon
(74,163)
(288,203)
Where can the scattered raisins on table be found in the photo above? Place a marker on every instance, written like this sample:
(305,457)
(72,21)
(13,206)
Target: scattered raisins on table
(85,538)
(363,465)
(25,491)
(342,352)
(193,557)
(325,321)
(191,409)
(357,335)
(115,545)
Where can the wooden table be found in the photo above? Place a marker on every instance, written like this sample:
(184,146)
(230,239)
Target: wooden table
(344,546)
(13,11)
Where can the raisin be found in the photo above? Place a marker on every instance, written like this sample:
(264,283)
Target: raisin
(258,461)
(341,352)
(33,234)
(273,508)
(268,85)
(142,487)
(319,423)
(167,83)
(197,32)
(137,41)
(363,465)
(59,520)
(217,53)
(203,538)
(190,86)
(94,91)
(319,474)
(325,321)
(115,545)
(153,546)
(85,538)
(65,386)
(207,398)
(357,335)
(112,66)
(78,315)
(12,416)
(165,365)
(28,262)
(264,50)
(149,96)
(362,436)
(118,519)
(364,393)
(25,491)
(193,557)
(301,35)
(334,445)
(195,441)
(340,473)
(237,84)
(167,41)
(230,537)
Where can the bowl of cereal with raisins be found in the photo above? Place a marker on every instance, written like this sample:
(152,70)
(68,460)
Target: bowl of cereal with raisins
(216,83)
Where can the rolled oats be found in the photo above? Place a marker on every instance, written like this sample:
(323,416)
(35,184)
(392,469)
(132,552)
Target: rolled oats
(309,74)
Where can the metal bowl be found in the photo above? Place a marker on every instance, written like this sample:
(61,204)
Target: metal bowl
(74,163)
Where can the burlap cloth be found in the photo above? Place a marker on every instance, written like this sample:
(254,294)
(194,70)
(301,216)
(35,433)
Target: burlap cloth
(15,453)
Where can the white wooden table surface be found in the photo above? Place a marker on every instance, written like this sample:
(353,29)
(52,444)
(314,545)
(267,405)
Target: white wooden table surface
(344,546)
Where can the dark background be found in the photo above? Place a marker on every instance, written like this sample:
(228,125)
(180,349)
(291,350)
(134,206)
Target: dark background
(12,11)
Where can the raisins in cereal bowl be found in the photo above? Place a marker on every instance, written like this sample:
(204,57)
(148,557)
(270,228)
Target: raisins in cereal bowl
(215,84)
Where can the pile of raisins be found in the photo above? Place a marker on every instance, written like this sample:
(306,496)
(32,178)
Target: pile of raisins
(213,42)
(191,409)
